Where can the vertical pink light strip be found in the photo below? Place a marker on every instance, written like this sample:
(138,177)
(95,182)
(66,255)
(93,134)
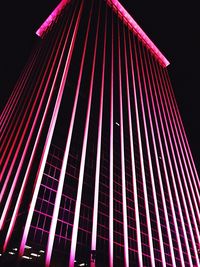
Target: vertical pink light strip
(183,133)
(97,172)
(150,160)
(30,109)
(12,117)
(7,113)
(111,153)
(15,121)
(50,132)
(180,135)
(165,169)
(65,159)
(24,123)
(185,143)
(142,162)
(125,223)
(25,180)
(157,159)
(16,177)
(174,135)
(162,100)
(83,156)
(135,194)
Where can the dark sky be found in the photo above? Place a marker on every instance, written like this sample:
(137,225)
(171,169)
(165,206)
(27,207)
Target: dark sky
(172,25)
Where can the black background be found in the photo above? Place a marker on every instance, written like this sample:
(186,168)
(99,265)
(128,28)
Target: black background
(172,25)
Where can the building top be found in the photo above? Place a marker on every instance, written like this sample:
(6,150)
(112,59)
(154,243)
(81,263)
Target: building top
(118,8)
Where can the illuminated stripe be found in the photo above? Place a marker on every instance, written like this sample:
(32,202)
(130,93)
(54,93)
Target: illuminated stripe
(125,223)
(25,180)
(97,173)
(64,163)
(50,132)
(150,159)
(135,194)
(165,169)
(8,116)
(156,156)
(174,135)
(188,153)
(82,165)
(16,141)
(111,154)
(25,125)
(176,166)
(142,163)
(20,165)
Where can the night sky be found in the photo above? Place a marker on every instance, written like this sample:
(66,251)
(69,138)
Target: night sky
(172,25)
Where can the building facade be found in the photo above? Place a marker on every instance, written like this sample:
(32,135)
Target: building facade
(96,166)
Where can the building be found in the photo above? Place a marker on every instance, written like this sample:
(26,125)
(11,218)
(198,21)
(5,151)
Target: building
(97,170)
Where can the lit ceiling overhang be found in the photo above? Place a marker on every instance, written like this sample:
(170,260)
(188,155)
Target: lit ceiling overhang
(118,8)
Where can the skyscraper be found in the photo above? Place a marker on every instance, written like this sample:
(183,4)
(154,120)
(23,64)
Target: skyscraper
(97,169)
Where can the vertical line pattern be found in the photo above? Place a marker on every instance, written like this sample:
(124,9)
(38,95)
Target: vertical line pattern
(125,223)
(142,162)
(170,169)
(150,159)
(97,172)
(111,153)
(83,157)
(50,132)
(65,159)
(134,178)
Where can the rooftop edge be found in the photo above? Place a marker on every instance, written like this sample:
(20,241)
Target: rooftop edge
(115,4)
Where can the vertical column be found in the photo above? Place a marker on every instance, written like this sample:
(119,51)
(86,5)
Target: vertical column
(160,111)
(142,158)
(175,152)
(83,156)
(51,130)
(57,46)
(195,187)
(97,172)
(111,153)
(156,153)
(125,223)
(65,159)
(134,178)
(150,158)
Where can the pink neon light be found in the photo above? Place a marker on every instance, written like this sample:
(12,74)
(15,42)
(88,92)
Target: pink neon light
(157,162)
(49,134)
(14,113)
(52,17)
(83,156)
(8,200)
(135,194)
(111,156)
(165,170)
(138,31)
(150,159)
(25,180)
(142,163)
(125,223)
(8,116)
(97,173)
(64,164)
(180,182)
(15,142)
(177,171)
(185,143)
